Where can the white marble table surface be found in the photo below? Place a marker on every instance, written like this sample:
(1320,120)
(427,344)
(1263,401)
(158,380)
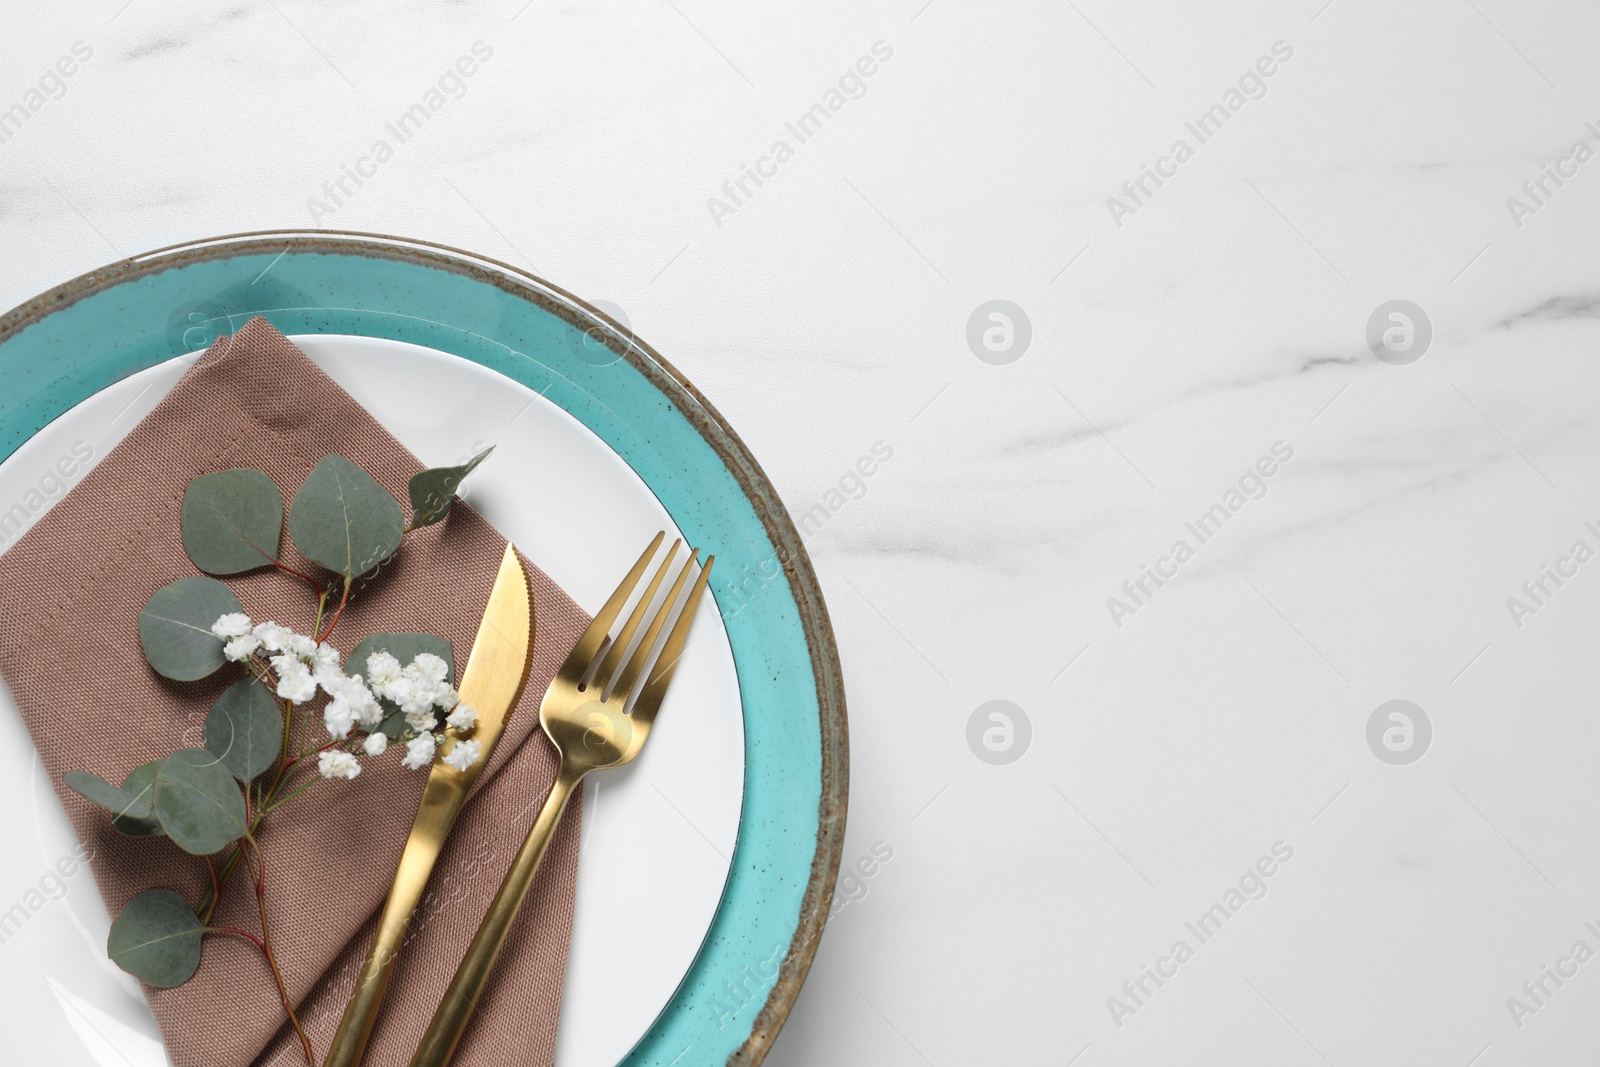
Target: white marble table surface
(1176,338)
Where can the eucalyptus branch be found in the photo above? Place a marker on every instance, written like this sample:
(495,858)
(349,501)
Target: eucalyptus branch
(208,904)
(322,604)
(276,804)
(266,949)
(286,569)
(235,932)
(344,601)
(399,688)
(283,748)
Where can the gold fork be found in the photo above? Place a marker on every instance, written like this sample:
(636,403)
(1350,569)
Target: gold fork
(586,715)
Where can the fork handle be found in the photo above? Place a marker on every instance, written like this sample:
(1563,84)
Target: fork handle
(450,1020)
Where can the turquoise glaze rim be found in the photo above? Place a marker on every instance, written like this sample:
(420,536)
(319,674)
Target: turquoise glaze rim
(69,343)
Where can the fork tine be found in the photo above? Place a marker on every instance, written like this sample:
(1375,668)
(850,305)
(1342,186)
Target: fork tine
(594,665)
(649,702)
(588,646)
(641,655)
(613,658)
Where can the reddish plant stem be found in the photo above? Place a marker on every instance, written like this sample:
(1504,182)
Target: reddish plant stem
(285,568)
(246,934)
(266,949)
(314,751)
(322,607)
(208,907)
(253,818)
(344,599)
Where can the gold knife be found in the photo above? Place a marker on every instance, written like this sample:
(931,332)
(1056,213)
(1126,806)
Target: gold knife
(495,675)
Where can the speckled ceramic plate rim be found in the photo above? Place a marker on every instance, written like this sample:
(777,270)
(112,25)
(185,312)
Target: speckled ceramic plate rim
(796,743)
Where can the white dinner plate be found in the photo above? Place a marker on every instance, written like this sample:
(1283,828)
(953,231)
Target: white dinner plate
(667,823)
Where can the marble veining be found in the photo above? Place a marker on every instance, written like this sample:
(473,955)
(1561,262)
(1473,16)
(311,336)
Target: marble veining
(1229,712)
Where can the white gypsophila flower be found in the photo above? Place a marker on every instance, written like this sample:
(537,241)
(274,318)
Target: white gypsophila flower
(273,638)
(240,648)
(376,744)
(301,645)
(329,677)
(419,686)
(397,689)
(338,764)
(351,702)
(383,670)
(295,684)
(462,755)
(419,752)
(325,664)
(334,683)
(419,704)
(463,718)
(231,625)
(422,721)
(445,697)
(366,707)
(431,667)
(339,717)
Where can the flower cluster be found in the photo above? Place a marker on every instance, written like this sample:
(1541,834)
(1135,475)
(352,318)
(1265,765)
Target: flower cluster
(302,667)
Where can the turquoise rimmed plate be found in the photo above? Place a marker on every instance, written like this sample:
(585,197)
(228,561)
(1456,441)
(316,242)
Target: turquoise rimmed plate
(362,296)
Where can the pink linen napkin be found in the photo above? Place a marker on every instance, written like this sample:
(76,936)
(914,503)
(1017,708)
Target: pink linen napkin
(70,593)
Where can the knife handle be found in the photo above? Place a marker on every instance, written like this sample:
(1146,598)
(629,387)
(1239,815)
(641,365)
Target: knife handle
(450,1020)
(441,803)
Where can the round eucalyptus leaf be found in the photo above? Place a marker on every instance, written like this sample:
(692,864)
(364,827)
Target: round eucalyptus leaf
(175,628)
(157,939)
(432,490)
(405,648)
(115,799)
(245,729)
(232,521)
(342,519)
(141,782)
(198,802)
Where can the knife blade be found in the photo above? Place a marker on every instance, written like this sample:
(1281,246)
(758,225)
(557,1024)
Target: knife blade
(496,671)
